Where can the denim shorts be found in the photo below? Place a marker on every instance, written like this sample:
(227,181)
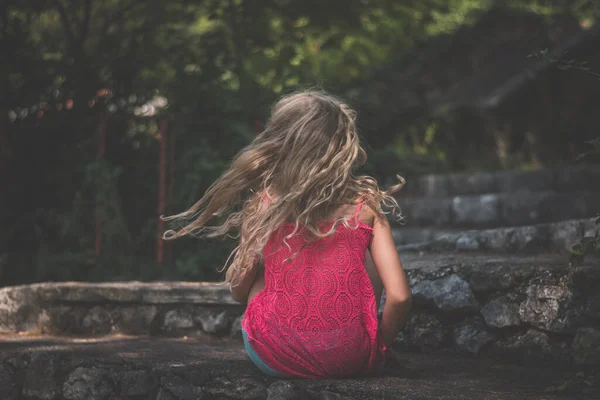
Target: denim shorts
(264,368)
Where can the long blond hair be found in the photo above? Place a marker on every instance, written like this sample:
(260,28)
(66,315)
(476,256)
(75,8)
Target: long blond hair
(306,155)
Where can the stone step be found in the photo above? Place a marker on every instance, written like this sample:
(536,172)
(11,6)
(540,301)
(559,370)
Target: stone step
(551,237)
(486,303)
(131,368)
(499,209)
(562,180)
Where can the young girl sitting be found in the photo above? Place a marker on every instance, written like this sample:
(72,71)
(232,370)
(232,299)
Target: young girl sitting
(315,245)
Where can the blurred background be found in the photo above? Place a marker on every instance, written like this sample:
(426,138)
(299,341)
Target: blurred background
(114,112)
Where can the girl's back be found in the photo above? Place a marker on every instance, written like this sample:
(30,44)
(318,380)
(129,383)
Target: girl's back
(316,316)
(315,312)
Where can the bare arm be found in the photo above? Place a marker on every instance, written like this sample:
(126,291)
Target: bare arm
(388,265)
(241,291)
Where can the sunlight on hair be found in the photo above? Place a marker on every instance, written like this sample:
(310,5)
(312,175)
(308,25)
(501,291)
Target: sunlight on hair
(297,170)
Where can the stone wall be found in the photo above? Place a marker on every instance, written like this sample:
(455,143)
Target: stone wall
(170,309)
(559,180)
(488,200)
(532,307)
(552,237)
(525,307)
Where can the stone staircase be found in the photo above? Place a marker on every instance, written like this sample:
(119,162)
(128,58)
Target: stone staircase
(498,312)
(531,322)
(545,210)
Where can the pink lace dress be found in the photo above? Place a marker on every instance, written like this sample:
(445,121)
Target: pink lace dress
(316,316)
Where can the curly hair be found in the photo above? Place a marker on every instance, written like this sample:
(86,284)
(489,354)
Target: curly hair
(303,162)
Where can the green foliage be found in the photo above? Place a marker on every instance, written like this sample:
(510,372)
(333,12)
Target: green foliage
(217,66)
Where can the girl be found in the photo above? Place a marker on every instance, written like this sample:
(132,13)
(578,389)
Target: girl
(315,246)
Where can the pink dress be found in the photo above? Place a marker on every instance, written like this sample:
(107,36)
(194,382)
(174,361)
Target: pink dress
(317,316)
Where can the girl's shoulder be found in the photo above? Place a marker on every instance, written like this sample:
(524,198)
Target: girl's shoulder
(365,212)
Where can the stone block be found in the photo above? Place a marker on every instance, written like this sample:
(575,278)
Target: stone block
(426,211)
(136,383)
(577,178)
(548,307)
(471,184)
(471,336)
(586,346)
(88,383)
(566,233)
(425,331)
(97,321)
(531,181)
(487,277)
(436,186)
(135,319)
(40,378)
(501,313)
(213,320)
(467,243)
(180,388)
(66,319)
(483,210)
(9,389)
(284,390)
(534,344)
(19,308)
(450,293)
(177,319)
(236,327)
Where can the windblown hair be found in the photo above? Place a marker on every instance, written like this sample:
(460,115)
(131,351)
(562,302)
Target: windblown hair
(303,163)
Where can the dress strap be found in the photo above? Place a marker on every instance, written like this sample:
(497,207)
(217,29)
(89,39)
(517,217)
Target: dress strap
(358,207)
(265,198)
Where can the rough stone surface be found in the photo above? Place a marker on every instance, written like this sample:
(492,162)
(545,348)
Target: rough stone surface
(549,237)
(501,312)
(467,242)
(566,234)
(18,308)
(88,384)
(435,185)
(8,385)
(219,369)
(546,307)
(178,387)
(136,383)
(471,336)
(533,181)
(97,321)
(491,276)
(507,294)
(40,378)
(425,331)
(213,321)
(236,327)
(135,319)
(535,345)
(468,184)
(586,346)
(178,319)
(476,210)
(427,211)
(284,390)
(449,293)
